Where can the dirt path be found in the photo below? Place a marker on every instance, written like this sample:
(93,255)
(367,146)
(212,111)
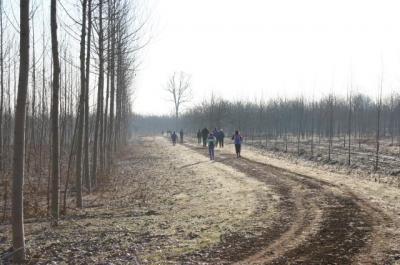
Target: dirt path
(172,205)
(318,222)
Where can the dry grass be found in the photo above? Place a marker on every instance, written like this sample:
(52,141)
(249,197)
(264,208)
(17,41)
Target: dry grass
(163,201)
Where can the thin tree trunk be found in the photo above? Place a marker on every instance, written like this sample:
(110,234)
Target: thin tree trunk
(330,127)
(33,104)
(86,144)
(19,136)
(378,124)
(312,129)
(43,114)
(2,89)
(300,127)
(99,96)
(55,187)
(81,113)
(349,130)
(112,84)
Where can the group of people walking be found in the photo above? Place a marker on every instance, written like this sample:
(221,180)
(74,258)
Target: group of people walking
(219,136)
(175,137)
(212,140)
(215,138)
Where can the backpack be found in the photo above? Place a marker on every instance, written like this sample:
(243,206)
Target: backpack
(210,141)
(237,138)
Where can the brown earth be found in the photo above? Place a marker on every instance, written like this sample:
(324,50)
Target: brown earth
(172,205)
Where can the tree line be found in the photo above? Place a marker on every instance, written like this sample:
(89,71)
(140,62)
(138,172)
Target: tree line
(66,82)
(354,119)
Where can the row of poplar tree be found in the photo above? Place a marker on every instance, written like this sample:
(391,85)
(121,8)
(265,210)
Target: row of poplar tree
(72,100)
(354,118)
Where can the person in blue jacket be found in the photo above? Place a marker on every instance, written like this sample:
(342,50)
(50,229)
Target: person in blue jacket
(215,134)
(211,142)
(237,139)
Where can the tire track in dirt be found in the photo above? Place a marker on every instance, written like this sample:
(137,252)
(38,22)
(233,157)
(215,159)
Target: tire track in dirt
(318,223)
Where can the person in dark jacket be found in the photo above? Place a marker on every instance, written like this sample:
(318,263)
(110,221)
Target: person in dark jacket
(205,133)
(199,135)
(181,135)
(174,137)
(221,137)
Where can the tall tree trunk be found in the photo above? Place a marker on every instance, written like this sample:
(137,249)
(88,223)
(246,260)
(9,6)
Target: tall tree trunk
(106,130)
(1,88)
(86,144)
(81,111)
(99,97)
(349,130)
(378,123)
(19,136)
(330,126)
(300,125)
(33,104)
(43,112)
(112,84)
(312,128)
(55,187)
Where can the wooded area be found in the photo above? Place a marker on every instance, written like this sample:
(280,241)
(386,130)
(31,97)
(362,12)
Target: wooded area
(302,126)
(66,109)
(72,100)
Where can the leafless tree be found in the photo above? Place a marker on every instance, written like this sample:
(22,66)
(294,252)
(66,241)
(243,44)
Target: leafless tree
(55,117)
(378,121)
(312,126)
(87,79)
(349,120)
(19,136)
(100,91)
(81,111)
(180,92)
(1,87)
(331,103)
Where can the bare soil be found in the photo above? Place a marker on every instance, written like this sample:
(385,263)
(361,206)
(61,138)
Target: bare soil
(172,205)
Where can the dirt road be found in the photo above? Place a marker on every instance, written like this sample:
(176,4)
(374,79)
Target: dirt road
(171,205)
(316,217)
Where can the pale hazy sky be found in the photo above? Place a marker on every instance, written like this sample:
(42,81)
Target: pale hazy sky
(243,49)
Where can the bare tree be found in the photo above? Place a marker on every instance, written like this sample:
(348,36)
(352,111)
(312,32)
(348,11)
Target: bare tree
(81,113)
(86,140)
(179,91)
(312,127)
(1,86)
(378,118)
(331,102)
(349,127)
(19,137)
(300,120)
(98,122)
(55,117)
